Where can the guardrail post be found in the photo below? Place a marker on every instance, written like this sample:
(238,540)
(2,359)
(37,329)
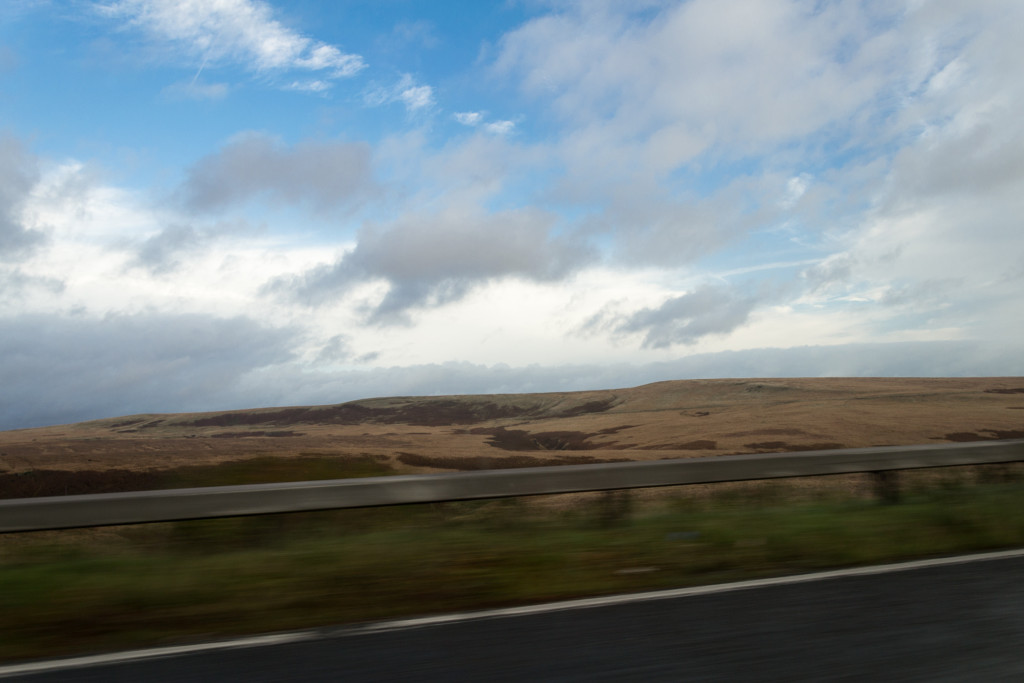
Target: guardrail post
(999,473)
(887,486)
(615,507)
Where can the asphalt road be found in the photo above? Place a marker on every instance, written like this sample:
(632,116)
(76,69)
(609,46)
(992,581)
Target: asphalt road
(955,622)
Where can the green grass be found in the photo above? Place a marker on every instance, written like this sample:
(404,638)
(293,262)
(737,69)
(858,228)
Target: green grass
(94,590)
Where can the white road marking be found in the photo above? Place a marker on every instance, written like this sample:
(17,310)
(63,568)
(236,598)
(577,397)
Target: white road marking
(420,622)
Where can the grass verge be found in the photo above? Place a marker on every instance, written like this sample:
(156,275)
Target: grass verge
(109,589)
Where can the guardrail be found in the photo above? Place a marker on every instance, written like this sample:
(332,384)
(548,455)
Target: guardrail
(67,512)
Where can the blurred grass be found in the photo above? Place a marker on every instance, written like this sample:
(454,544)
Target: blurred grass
(108,589)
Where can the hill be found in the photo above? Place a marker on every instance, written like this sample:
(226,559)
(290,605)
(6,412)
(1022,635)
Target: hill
(663,420)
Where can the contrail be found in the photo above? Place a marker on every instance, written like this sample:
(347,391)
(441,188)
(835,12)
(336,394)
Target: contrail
(201,67)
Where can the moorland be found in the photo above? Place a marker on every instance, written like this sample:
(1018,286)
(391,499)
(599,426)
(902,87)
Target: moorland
(672,419)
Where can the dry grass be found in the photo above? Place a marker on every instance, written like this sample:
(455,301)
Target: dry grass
(663,420)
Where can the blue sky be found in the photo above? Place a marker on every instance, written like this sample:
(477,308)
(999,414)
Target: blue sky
(213,204)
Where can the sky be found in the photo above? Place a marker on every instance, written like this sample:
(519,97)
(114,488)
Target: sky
(218,204)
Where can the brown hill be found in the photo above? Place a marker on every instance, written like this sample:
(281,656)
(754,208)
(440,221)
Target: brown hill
(663,420)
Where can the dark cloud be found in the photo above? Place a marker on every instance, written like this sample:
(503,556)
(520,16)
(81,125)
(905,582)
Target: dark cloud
(338,349)
(19,173)
(438,259)
(59,370)
(55,370)
(710,309)
(162,252)
(325,175)
(985,159)
(165,251)
(283,385)
(14,281)
(832,272)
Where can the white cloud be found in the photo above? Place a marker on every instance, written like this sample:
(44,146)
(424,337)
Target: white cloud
(688,131)
(469,118)
(660,108)
(795,189)
(500,127)
(310,86)
(415,97)
(739,74)
(937,249)
(476,119)
(240,31)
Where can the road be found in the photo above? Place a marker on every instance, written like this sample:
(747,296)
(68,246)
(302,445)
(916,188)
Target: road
(950,622)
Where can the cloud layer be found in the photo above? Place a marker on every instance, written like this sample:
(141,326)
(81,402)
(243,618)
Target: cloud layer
(541,196)
(58,369)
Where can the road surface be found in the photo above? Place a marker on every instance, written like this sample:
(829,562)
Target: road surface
(947,622)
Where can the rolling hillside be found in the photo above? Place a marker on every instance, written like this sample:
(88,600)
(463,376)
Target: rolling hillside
(663,420)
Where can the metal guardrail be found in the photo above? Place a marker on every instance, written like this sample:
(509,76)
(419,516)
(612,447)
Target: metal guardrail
(67,512)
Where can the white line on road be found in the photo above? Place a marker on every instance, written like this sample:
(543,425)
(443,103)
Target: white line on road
(420,622)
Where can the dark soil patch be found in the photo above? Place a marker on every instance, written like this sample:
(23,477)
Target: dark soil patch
(36,483)
(522,440)
(484,462)
(441,413)
(422,412)
(987,435)
(615,430)
(239,435)
(698,445)
(784,447)
(285,416)
(961,437)
(590,407)
(1019,390)
(759,388)
(425,414)
(769,432)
